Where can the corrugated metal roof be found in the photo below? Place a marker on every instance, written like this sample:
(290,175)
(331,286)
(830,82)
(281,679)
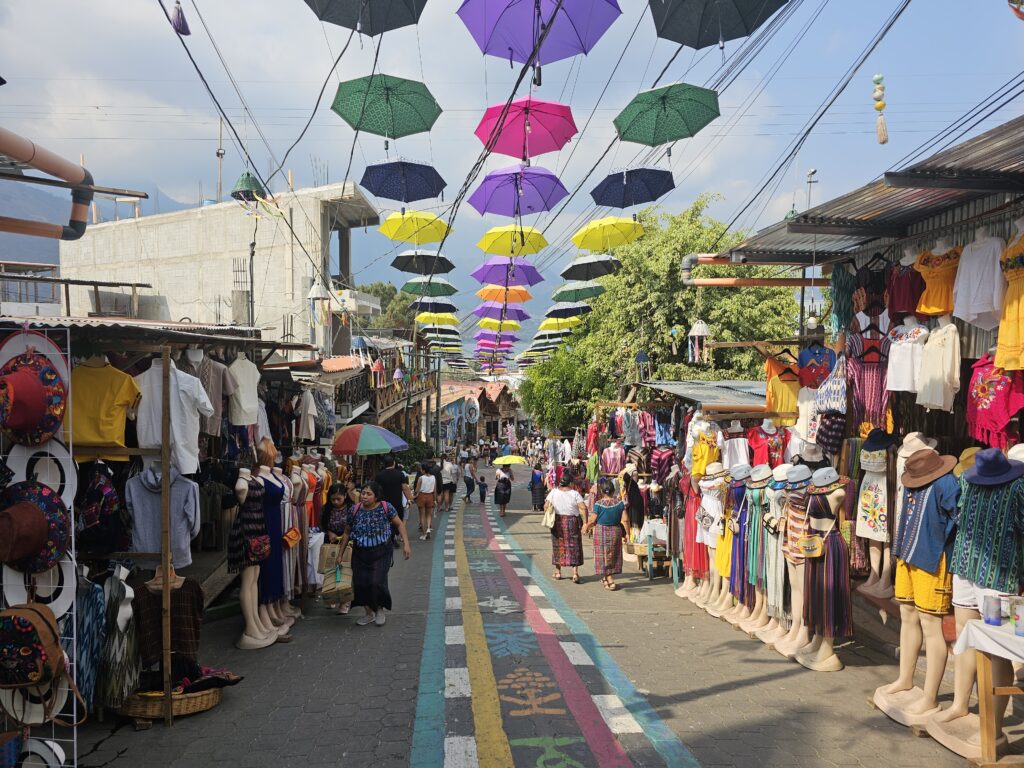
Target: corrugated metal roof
(728,392)
(339,363)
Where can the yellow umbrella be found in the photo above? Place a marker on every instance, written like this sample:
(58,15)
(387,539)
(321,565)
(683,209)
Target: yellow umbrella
(437,318)
(491,324)
(609,232)
(414,227)
(512,240)
(559,323)
(513,293)
(502,461)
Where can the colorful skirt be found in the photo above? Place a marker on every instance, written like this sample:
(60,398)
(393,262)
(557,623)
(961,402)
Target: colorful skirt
(537,493)
(828,609)
(370,566)
(607,549)
(739,585)
(567,540)
(695,555)
(873,507)
(755,547)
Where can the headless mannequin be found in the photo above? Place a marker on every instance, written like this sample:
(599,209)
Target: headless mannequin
(255,635)
(901,699)
(941,246)
(285,606)
(879,581)
(798,637)
(819,655)
(943,320)
(909,257)
(270,613)
(769,426)
(194,356)
(910,321)
(758,618)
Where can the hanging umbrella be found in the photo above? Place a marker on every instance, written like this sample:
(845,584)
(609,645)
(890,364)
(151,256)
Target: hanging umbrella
(510,29)
(499,325)
(518,190)
(438,330)
(700,23)
(414,227)
(609,232)
(437,318)
(494,336)
(420,262)
(504,271)
(591,266)
(433,305)
(531,127)
(512,240)
(402,180)
(386,105)
(495,309)
(557,323)
(635,186)
(553,335)
(366,440)
(503,461)
(368,17)
(513,294)
(429,285)
(577,291)
(667,114)
(568,309)
(490,347)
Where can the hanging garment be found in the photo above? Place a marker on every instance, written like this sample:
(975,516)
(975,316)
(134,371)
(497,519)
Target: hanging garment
(613,459)
(873,499)
(994,397)
(828,608)
(142,496)
(593,436)
(695,555)
(648,434)
(871,283)
(101,398)
(247,525)
(1010,351)
(188,402)
(906,350)
(807,409)
(843,284)
(630,428)
(774,561)
(939,378)
(739,577)
(904,291)
(980,285)
(712,509)
(757,505)
(796,521)
(939,273)
(565,451)
(119,671)
(768,447)
(662,460)
(271,578)
(218,382)
(816,363)
(664,434)
(639,457)
(780,397)
(706,450)
(736,450)
(867,353)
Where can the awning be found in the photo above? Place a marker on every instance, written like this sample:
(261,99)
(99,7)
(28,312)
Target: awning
(717,394)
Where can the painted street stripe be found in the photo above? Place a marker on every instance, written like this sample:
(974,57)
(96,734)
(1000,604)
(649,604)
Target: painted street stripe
(455,635)
(665,741)
(504,546)
(491,740)
(522,573)
(551,616)
(577,655)
(451,581)
(616,715)
(449,566)
(534,591)
(456,683)
(512,558)
(460,752)
(428,748)
(449,552)
(453,603)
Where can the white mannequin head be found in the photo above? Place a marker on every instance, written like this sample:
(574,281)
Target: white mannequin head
(909,255)
(768,425)
(911,321)
(941,245)
(981,233)
(194,356)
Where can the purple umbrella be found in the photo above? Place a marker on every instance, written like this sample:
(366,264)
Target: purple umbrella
(495,308)
(518,190)
(509,29)
(484,334)
(501,270)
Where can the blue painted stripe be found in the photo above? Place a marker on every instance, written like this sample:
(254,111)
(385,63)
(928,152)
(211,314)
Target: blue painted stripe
(429,728)
(663,738)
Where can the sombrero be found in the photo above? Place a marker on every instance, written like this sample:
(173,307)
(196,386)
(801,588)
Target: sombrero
(50,464)
(28,706)
(58,524)
(55,588)
(32,399)
(826,480)
(42,752)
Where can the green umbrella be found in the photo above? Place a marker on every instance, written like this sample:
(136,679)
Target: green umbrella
(387,106)
(430,286)
(577,290)
(667,114)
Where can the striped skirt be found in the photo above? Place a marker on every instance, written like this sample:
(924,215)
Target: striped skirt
(567,540)
(828,609)
(695,555)
(739,585)
(607,549)
(537,493)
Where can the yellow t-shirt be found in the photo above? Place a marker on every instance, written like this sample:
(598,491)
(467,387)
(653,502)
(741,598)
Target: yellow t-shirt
(100,400)
(781,397)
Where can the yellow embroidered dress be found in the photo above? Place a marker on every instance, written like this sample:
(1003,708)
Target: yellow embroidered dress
(1010,351)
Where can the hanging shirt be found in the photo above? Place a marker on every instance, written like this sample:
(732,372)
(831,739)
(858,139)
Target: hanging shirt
(781,397)
(647,431)
(630,428)
(188,401)
(243,408)
(939,376)
(662,460)
(566,451)
(768,447)
(980,286)
(613,459)
(989,545)
(939,273)
(906,350)
(736,450)
(100,401)
(815,365)
(219,382)
(593,436)
(926,524)
(994,397)
(904,291)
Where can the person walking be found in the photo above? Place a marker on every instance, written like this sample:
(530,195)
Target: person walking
(607,525)
(369,528)
(468,475)
(426,494)
(502,490)
(395,484)
(566,535)
(341,498)
(450,483)
(537,488)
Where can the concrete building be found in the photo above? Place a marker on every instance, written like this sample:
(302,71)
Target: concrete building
(199,264)
(362,305)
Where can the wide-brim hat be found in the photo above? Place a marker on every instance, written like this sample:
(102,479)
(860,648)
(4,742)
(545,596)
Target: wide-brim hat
(42,752)
(779,474)
(58,524)
(1016,452)
(914,442)
(811,452)
(926,466)
(878,440)
(28,706)
(50,464)
(966,460)
(826,480)
(798,474)
(714,469)
(33,399)
(23,529)
(991,467)
(55,588)
(760,476)
(740,471)
(33,341)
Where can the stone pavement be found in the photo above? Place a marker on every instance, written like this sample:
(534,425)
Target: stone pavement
(487,661)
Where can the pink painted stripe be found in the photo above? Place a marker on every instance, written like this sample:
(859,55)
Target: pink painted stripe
(602,742)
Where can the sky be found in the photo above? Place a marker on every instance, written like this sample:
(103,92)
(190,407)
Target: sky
(109,80)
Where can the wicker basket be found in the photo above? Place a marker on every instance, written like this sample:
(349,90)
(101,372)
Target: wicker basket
(152,707)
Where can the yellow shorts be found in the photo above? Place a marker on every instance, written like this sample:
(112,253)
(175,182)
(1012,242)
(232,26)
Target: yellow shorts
(929,592)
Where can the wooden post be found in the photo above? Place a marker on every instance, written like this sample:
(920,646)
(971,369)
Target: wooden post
(165,529)
(67,299)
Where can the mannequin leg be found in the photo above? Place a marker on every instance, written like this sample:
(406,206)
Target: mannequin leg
(770,632)
(724,601)
(875,560)
(911,638)
(710,594)
(254,636)
(884,586)
(935,656)
(823,658)
(798,636)
(965,669)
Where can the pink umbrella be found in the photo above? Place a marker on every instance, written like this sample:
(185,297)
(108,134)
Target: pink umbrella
(530,128)
(494,344)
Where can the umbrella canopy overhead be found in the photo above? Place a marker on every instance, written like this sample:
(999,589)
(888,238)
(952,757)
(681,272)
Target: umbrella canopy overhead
(635,186)
(499,325)
(591,266)
(494,345)
(510,29)
(518,190)
(368,17)
(531,127)
(512,240)
(403,180)
(577,290)
(437,318)
(512,295)
(568,309)
(700,23)
(666,114)
(557,323)
(366,440)
(415,227)
(429,285)
(439,331)
(420,262)
(609,232)
(485,335)
(495,309)
(433,305)
(386,105)
(504,271)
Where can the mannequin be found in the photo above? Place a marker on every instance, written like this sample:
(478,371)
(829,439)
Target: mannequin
(768,425)
(713,488)
(909,256)
(285,607)
(757,506)
(194,356)
(944,320)
(941,245)
(273,489)
(775,561)
(875,512)
(256,635)
(1018,226)
(797,480)
(691,505)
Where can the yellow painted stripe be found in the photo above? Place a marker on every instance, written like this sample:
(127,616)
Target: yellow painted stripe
(492,747)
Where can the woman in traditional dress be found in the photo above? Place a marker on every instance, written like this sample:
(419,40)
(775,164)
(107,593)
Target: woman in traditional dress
(567,533)
(608,523)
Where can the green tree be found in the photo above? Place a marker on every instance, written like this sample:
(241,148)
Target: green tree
(394,305)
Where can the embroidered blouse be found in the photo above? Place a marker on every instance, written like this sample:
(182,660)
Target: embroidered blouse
(906,349)
(939,273)
(371,527)
(939,378)
(768,448)
(815,365)
(994,397)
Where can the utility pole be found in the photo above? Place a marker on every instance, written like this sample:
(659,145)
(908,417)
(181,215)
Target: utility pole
(437,410)
(220,160)
(803,272)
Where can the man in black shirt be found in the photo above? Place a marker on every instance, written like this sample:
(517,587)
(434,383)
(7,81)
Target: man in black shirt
(395,484)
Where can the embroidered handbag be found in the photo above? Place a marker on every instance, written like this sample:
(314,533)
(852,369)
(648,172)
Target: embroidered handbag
(259,547)
(291,537)
(813,545)
(831,395)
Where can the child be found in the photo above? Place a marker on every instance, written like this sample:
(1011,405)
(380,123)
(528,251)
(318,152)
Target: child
(335,518)
(482,486)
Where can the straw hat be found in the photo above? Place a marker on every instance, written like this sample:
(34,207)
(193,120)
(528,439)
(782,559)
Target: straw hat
(759,477)
(966,461)
(914,442)
(826,480)
(714,470)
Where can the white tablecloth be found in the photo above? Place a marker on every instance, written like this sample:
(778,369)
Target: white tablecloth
(997,641)
(656,528)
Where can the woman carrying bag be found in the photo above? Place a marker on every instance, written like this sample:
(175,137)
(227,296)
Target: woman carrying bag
(567,532)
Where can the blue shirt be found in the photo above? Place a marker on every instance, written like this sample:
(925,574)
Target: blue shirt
(989,544)
(371,527)
(609,515)
(926,526)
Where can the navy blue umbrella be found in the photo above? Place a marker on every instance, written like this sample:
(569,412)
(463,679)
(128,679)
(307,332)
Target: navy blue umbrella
(633,187)
(403,180)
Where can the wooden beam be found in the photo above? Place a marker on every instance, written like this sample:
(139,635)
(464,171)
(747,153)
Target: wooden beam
(843,228)
(759,282)
(967,181)
(17,276)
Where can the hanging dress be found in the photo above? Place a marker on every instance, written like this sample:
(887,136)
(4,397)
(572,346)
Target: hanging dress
(724,537)
(248,523)
(695,554)
(774,562)
(712,507)
(843,283)
(873,500)
(1010,350)
(828,609)
(739,584)
(271,578)
(867,353)
(119,670)
(757,505)
(796,521)
(705,451)
(939,273)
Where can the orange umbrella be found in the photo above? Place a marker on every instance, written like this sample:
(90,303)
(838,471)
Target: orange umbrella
(513,294)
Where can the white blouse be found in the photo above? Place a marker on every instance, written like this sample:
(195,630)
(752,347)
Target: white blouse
(980,285)
(906,349)
(940,369)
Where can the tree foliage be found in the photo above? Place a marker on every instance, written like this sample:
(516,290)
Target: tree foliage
(645,302)
(394,305)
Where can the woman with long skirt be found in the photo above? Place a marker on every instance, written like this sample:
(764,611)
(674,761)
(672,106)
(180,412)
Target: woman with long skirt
(608,523)
(537,488)
(567,533)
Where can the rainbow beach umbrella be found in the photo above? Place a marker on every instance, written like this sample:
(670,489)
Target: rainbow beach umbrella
(366,440)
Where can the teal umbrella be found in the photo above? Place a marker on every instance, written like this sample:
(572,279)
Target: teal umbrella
(666,114)
(386,105)
(430,286)
(577,290)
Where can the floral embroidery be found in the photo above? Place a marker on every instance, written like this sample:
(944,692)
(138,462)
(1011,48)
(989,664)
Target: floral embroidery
(873,512)
(986,387)
(940,260)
